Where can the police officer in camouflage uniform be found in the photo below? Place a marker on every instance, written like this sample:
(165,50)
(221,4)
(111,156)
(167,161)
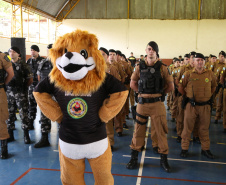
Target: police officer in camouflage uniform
(16,93)
(33,62)
(44,69)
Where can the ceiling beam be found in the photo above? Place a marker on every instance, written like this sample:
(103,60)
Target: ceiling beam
(66,9)
(29,7)
(199,10)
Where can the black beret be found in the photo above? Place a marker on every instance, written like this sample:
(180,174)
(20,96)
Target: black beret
(16,49)
(118,52)
(192,53)
(104,50)
(199,55)
(35,47)
(176,59)
(213,56)
(154,46)
(187,55)
(222,53)
(112,50)
(49,46)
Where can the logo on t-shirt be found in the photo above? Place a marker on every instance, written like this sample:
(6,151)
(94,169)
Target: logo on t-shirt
(77,108)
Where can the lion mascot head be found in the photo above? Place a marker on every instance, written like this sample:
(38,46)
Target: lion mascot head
(78,66)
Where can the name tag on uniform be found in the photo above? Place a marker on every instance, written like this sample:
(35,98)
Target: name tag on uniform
(193,79)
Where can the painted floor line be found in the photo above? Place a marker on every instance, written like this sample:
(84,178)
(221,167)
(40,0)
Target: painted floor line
(172,159)
(143,155)
(123,175)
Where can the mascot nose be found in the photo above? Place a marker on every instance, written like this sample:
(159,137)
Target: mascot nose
(69,55)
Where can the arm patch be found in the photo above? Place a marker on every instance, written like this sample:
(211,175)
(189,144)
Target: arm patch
(6,58)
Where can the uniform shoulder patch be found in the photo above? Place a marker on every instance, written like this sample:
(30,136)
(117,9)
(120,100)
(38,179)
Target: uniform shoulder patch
(6,58)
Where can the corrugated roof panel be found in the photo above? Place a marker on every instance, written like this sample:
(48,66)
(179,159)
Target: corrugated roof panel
(140,9)
(163,9)
(96,9)
(79,11)
(51,6)
(117,9)
(187,9)
(210,9)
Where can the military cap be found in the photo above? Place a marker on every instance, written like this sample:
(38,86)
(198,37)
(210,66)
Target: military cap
(199,55)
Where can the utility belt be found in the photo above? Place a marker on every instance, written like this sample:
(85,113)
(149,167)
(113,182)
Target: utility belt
(142,100)
(194,103)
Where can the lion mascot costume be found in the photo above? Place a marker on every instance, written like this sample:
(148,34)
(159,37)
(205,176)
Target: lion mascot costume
(86,98)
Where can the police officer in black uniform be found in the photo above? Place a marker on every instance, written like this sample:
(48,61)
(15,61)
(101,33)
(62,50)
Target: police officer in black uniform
(44,69)
(16,93)
(33,62)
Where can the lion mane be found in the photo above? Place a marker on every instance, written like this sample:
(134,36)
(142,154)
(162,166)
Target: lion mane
(75,42)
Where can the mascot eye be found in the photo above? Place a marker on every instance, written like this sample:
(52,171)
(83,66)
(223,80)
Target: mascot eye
(65,50)
(84,53)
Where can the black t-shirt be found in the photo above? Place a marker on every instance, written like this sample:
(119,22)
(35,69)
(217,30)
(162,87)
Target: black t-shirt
(81,123)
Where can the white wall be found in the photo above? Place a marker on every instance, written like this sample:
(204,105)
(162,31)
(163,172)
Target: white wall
(174,37)
(5,44)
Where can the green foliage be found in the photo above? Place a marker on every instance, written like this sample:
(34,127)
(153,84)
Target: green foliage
(5,9)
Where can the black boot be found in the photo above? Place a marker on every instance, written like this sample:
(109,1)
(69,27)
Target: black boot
(31,124)
(125,125)
(4,149)
(11,135)
(197,140)
(164,163)
(43,141)
(184,153)
(207,153)
(156,150)
(179,139)
(133,161)
(119,134)
(26,137)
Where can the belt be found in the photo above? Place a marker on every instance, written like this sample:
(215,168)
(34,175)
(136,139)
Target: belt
(2,85)
(194,103)
(142,100)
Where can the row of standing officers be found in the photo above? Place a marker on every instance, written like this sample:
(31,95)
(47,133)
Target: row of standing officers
(19,95)
(150,79)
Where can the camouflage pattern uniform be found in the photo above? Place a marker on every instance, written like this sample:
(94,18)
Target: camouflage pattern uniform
(16,94)
(43,71)
(33,63)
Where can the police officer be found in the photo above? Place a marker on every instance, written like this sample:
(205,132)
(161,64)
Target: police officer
(33,62)
(43,71)
(200,83)
(5,66)
(152,81)
(16,93)
(132,59)
(127,73)
(119,117)
(111,69)
(220,65)
(223,82)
